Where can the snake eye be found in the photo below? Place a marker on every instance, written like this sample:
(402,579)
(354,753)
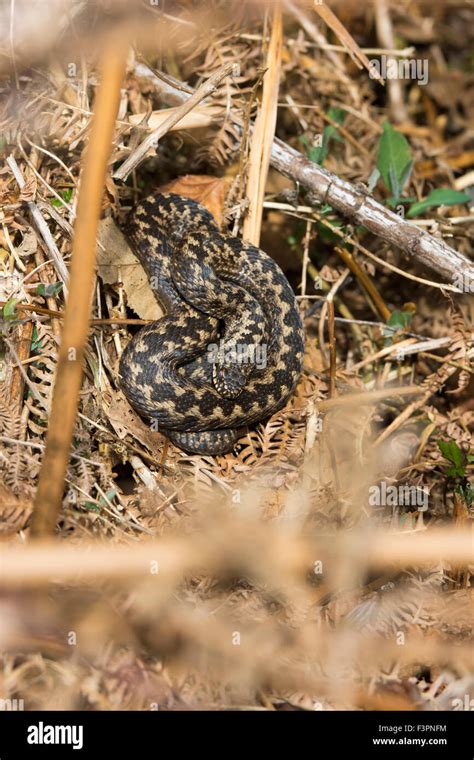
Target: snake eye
(228,379)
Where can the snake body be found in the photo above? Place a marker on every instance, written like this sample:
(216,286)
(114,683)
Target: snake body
(229,350)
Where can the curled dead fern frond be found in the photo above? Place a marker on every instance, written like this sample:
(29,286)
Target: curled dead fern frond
(460,346)
(221,143)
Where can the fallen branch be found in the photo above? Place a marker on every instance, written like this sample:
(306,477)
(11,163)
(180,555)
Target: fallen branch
(352,202)
(361,208)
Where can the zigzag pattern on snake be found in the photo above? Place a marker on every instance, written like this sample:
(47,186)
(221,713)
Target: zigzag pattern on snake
(229,350)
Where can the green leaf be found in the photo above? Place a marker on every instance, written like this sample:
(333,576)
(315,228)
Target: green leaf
(66,195)
(36,343)
(406,174)
(337,114)
(318,153)
(399,319)
(9,310)
(468,493)
(455,472)
(451,451)
(393,202)
(442,196)
(49,289)
(327,209)
(394,160)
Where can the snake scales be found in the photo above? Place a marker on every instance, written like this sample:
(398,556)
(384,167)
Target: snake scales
(229,350)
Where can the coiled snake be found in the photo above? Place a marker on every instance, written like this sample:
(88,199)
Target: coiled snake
(229,350)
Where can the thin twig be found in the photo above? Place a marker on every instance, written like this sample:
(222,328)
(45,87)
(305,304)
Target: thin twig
(61,314)
(294,210)
(304,270)
(151,141)
(365,281)
(331,295)
(313,31)
(332,346)
(42,227)
(359,58)
(358,205)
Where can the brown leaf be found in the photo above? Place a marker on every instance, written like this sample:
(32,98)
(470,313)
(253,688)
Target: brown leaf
(117,263)
(126,421)
(209,191)
(28,192)
(14,511)
(330,274)
(28,245)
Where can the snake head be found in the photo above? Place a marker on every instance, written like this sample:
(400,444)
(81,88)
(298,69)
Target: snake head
(229,378)
(232,365)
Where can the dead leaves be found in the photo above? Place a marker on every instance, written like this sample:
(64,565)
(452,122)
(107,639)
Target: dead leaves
(117,263)
(28,191)
(126,422)
(208,191)
(14,511)
(461,343)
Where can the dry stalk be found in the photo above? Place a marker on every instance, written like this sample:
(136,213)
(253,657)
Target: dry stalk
(385,34)
(332,346)
(347,39)
(365,281)
(264,133)
(76,322)
(45,562)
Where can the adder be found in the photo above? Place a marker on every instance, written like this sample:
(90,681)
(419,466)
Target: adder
(229,350)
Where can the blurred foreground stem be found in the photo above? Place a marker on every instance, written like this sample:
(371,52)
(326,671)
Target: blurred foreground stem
(76,319)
